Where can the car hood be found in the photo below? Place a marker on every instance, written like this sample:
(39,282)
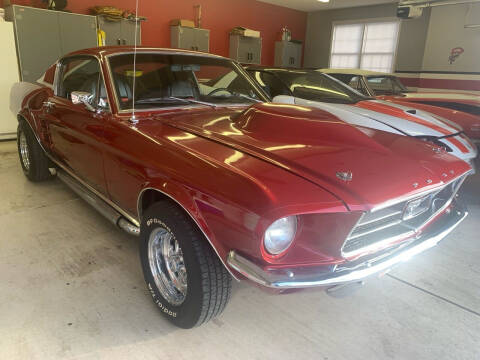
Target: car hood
(361,166)
(382,115)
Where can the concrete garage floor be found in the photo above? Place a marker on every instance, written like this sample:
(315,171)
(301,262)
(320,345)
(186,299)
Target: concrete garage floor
(71,288)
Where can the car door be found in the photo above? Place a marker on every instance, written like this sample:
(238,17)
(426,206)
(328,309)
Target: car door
(77,130)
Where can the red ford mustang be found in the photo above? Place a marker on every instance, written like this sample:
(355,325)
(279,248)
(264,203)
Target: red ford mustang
(219,185)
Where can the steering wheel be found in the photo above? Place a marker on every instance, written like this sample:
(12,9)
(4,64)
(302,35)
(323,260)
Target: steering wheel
(220,89)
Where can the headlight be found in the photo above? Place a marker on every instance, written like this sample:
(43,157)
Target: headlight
(280,234)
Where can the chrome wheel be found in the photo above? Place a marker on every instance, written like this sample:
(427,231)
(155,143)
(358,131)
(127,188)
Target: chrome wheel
(24,152)
(166,264)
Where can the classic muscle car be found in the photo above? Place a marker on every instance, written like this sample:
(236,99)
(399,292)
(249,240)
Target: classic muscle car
(220,185)
(312,88)
(461,108)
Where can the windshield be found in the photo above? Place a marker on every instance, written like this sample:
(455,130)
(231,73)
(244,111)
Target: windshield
(386,85)
(163,80)
(315,86)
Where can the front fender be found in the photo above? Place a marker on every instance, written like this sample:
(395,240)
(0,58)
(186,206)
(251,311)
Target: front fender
(180,195)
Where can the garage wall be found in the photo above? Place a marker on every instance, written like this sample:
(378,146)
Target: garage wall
(424,44)
(446,31)
(217,15)
(412,37)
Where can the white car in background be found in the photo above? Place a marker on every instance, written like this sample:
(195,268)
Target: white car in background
(312,88)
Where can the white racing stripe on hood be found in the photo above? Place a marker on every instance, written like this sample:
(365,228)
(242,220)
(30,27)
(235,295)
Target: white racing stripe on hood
(376,120)
(424,115)
(343,113)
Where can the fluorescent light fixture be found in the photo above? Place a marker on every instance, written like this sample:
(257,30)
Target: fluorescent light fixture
(324,1)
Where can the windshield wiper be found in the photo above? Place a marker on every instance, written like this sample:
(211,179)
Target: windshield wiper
(172,100)
(191,101)
(246,97)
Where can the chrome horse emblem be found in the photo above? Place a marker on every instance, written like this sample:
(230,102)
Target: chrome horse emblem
(345,175)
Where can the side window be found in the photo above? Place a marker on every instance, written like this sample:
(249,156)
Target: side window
(357,83)
(82,74)
(270,83)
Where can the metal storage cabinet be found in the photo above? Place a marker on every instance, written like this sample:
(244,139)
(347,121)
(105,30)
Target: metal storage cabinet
(42,36)
(8,62)
(288,54)
(120,32)
(182,37)
(76,32)
(245,49)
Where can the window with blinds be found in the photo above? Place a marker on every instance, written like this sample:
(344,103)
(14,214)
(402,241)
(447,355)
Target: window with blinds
(368,46)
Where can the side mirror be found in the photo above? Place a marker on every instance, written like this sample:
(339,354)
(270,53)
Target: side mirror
(82,97)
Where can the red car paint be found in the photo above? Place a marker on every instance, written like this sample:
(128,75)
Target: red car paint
(393,111)
(435,103)
(237,169)
(470,123)
(434,97)
(460,108)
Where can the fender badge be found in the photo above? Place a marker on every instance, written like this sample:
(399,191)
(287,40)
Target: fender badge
(415,185)
(429,181)
(345,175)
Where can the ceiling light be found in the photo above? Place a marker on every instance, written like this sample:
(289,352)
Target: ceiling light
(324,1)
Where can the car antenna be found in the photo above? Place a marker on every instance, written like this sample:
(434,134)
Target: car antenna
(134,119)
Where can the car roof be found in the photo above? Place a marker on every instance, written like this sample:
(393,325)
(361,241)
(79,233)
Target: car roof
(355,72)
(112,50)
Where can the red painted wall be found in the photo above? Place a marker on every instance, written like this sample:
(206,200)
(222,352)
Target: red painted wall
(217,15)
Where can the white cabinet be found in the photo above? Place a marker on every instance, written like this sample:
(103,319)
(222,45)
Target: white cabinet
(8,62)
(288,54)
(182,37)
(246,49)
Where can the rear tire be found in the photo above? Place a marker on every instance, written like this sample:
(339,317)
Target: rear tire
(33,159)
(186,279)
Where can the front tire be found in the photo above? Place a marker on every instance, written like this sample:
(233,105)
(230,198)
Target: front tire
(33,159)
(185,277)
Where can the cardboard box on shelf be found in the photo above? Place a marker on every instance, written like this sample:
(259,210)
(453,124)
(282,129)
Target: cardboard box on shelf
(182,22)
(245,32)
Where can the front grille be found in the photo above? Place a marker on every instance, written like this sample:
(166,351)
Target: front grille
(400,220)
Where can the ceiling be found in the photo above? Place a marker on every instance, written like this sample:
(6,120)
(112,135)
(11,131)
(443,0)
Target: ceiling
(314,5)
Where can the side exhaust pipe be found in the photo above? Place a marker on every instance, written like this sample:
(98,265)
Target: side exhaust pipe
(101,206)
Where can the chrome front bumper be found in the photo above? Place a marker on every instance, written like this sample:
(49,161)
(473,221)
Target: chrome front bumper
(292,279)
